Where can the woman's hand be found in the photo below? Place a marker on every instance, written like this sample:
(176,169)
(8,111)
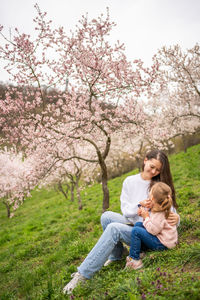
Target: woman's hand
(146,203)
(173,219)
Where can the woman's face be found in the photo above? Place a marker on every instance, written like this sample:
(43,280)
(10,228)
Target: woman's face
(152,167)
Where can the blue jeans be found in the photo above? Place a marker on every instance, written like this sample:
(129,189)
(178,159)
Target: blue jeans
(109,245)
(142,239)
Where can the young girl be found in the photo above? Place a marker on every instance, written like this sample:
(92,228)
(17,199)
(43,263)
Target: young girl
(116,231)
(154,233)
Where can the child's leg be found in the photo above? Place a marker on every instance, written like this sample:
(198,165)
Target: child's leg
(140,236)
(143,247)
(139,224)
(135,247)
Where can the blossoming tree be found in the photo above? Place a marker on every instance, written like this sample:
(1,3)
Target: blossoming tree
(96,90)
(177,89)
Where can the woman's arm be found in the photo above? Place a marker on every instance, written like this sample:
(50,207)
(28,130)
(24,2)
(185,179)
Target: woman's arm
(129,209)
(174,218)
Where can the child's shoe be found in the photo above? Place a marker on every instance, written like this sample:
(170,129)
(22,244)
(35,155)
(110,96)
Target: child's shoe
(133,264)
(77,277)
(142,255)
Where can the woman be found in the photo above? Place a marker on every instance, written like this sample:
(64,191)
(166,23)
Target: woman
(135,189)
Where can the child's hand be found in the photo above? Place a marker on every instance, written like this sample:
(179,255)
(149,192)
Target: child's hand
(144,213)
(139,211)
(143,203)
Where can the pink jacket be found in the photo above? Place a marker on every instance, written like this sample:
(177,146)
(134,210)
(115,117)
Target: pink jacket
(157,225)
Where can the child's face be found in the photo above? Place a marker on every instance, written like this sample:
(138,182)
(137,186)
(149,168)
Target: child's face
(151,195)
(154,204)
(152,199)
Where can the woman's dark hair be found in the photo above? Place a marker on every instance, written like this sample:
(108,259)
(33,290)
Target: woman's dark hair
(165,173)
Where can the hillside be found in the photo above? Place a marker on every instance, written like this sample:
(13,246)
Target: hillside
(48,238)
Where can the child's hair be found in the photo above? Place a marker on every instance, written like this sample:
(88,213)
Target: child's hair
(162,194)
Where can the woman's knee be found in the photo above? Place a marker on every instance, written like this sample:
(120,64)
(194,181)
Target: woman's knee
(113,230)
(105,218)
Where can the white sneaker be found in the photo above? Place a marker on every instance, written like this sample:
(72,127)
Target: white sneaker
(109,261)
(73,283)
(124,253)
(73,274)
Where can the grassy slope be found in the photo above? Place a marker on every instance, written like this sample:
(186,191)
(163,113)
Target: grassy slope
(48,238)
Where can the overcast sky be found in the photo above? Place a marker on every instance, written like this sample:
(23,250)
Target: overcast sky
(143,26)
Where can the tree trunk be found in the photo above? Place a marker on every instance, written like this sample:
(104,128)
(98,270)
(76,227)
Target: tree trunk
(104,179)
(138,162)
(80,206)
(72,191)
(184,143)
(8,208)
(60,188)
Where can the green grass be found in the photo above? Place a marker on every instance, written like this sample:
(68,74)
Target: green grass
(49,237)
